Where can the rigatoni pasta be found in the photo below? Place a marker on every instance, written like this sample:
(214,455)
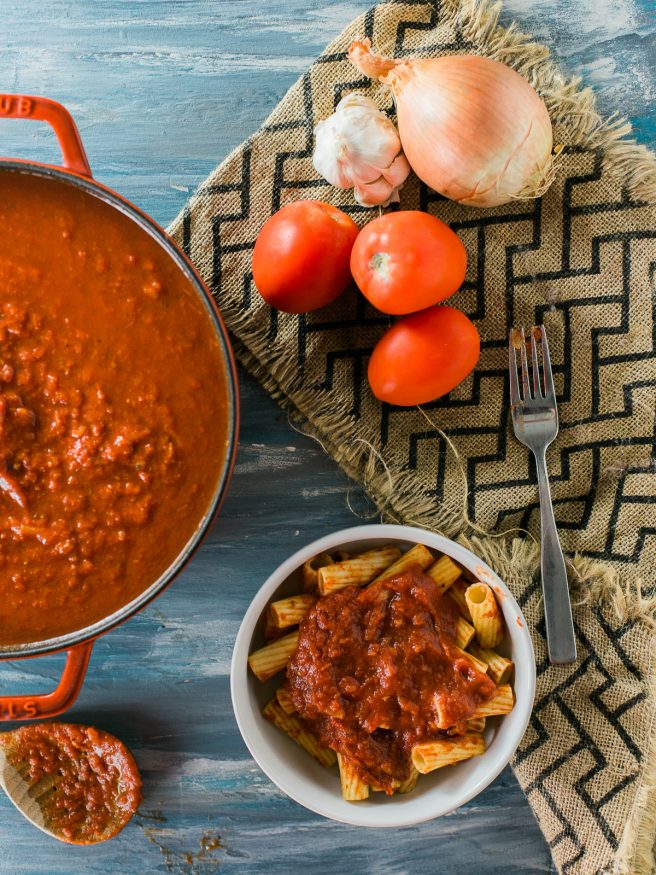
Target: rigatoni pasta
(380,578)
(310,569)
(444,572)
(485,614)
(442,752)
(410,783)
(502,702)
(357,571)
(284,698)
(457,594)
(500,668)
(292,726)
(354,788)
(419,554)
(290,611)
(478,664)
(274,657)
(465,632)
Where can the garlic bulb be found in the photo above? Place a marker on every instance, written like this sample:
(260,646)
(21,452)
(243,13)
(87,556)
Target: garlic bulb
(358,147)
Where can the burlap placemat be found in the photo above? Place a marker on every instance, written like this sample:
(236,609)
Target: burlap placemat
(583,260)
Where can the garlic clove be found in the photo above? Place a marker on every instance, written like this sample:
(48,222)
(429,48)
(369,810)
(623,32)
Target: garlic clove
(330,158)
(355,98)
(398,171)
(369,141)
(376,193)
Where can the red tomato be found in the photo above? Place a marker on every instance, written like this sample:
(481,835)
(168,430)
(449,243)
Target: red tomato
(407,261)
(423,356)
(301,256)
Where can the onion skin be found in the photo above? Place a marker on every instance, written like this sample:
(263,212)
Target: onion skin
(472,128)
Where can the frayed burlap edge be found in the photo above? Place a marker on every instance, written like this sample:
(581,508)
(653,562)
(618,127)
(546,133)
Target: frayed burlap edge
(635,854)
(634,166)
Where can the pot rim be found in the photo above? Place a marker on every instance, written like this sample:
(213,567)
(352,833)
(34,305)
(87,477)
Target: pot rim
(146,223)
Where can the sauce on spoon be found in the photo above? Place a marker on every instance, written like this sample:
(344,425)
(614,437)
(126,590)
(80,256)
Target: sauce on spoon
(77,783)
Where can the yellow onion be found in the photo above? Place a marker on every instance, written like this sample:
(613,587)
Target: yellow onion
(472,128)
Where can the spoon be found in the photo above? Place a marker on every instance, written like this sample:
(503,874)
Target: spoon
(76,783)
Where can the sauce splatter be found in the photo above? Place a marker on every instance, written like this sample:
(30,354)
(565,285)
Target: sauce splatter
(185,862)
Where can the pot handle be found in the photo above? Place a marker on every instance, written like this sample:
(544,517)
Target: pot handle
(60,120)
(60,699)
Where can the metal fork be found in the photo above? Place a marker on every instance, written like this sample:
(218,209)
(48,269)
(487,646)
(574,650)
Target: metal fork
(535,421)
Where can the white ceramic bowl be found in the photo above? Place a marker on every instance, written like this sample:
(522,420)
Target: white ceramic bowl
(305,780)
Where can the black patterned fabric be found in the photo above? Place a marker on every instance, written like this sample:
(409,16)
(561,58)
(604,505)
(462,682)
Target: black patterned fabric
(581,260)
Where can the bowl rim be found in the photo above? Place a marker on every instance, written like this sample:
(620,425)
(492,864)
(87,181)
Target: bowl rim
(241,699)
(92,188)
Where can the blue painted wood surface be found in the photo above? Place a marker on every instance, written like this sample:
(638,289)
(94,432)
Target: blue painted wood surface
(161,92)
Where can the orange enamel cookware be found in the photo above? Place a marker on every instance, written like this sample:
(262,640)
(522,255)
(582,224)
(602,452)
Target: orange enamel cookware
(75,172)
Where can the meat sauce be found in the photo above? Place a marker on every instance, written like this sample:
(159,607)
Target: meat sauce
(89,783)
(372,664)
(113,409)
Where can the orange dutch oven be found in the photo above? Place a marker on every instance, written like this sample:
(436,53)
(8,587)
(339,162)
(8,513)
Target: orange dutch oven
(75,171)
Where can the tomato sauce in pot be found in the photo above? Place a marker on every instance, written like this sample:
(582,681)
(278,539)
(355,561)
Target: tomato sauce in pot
(114,417)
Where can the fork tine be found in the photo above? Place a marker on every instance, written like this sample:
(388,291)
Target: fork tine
(526,383)
(512,367)
(549,391)
(537,391)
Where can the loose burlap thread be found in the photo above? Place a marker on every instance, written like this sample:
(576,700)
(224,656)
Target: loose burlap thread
(581,259)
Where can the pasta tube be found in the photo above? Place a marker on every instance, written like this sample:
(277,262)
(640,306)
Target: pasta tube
(444,572)
(485,614)
(285,700)
(464,632)
(274,657)
(500,668)
(353,787)
(433,755)
(292,726)
(457,593)
(410,783)
(290,612)
(357,571)
(310,569)
(444,713)
(501,703)
(475,724)
(418,554)
(478,664)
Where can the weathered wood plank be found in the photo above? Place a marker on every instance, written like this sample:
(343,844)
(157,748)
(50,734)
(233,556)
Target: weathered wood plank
(161,92)
(160,683)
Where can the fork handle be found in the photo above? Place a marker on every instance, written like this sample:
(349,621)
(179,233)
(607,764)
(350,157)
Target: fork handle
(561,643)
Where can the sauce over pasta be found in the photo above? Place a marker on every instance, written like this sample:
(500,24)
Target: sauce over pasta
(377,671)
